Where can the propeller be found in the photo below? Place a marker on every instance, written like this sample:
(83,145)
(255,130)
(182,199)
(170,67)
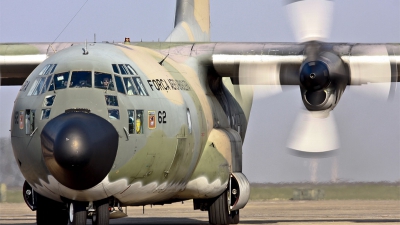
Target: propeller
(310,19)
(321,70)
(322,76)
(314,134)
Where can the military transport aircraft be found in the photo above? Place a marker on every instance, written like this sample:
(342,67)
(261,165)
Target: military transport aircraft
(100,126)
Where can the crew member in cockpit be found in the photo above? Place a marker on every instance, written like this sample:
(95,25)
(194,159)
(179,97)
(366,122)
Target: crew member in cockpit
(106,82)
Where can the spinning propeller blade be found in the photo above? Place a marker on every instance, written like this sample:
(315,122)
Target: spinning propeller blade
(314,132)
(315,129)
(310,19)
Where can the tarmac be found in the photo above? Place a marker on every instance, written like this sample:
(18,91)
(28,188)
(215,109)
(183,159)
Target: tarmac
(256,212)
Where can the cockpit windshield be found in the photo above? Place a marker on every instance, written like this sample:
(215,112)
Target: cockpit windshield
(103,81)
(59,81)
(120,85)
(81,79)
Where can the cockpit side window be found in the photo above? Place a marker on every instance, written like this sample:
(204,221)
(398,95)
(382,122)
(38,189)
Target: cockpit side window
(120,85)
(139,122)
(60,81)
(81,79)
(131,70)
(54,67)
(140,87)
(34,85)
(37,86)
(130,88)
(48,69)
(103,81)
(123,69)
(131,121)
(111,100)
(113,114)
(49,100)
(46,86)
(40,86)
(29,121)
(115,68)
(45,114)
(43,71)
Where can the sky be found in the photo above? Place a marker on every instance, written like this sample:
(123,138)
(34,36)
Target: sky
(369,128)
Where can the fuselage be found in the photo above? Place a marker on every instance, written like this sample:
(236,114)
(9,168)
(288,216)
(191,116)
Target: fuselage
(170,129)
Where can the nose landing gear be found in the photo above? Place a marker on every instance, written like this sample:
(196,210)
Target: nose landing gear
(49,211)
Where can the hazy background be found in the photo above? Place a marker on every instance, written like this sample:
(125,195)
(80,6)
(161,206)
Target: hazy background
(369,127)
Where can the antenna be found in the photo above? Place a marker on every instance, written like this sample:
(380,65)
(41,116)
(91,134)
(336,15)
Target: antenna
(85,51)
(162,61)
(67,25)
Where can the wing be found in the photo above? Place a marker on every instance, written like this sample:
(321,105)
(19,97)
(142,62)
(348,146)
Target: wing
(321,70)
(279,64)
(18,60)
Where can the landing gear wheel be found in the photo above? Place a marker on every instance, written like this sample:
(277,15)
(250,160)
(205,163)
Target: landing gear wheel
(50,212)
(77,214)
(102,215)
(218,213)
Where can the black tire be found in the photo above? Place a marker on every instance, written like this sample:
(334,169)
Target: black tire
(50,212)
(102,216)
(218,212)
(77,214)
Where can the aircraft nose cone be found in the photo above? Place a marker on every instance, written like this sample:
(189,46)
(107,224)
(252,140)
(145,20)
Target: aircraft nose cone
(79,149)
(73,146)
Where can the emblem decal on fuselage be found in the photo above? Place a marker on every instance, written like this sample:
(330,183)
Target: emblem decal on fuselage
(21,119)
(152,119)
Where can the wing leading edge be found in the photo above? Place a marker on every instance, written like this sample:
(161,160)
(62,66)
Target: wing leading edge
(18,60)
(279,64)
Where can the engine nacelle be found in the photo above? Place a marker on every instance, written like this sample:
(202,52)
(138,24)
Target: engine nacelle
(323,80)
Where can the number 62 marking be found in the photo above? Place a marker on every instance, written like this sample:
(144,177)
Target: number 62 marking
(162,117)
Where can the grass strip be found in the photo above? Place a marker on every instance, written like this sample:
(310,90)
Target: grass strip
(332,191)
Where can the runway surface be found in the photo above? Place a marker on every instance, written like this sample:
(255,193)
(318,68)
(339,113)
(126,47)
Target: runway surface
(256,212)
